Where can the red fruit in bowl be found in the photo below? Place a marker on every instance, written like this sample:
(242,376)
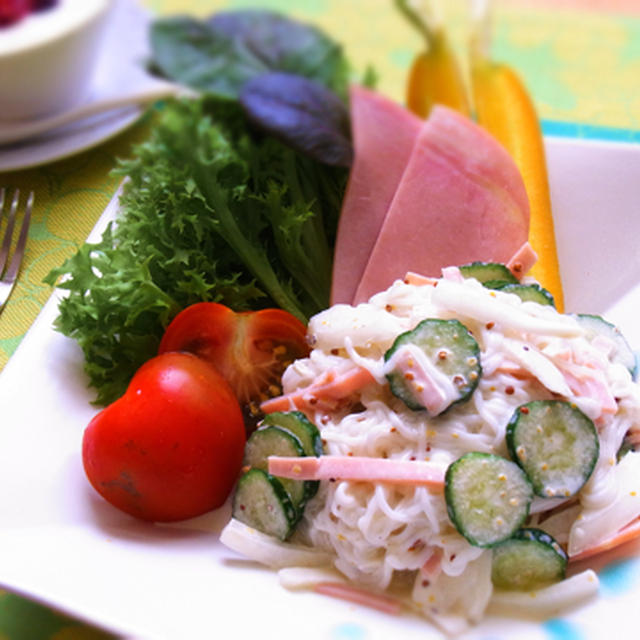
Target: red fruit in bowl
(41,5)
(13,10)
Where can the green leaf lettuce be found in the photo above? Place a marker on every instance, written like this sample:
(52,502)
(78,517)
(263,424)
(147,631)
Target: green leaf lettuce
(210,212)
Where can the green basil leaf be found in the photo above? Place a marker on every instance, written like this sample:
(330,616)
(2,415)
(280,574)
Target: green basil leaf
(221,54)
(284,44)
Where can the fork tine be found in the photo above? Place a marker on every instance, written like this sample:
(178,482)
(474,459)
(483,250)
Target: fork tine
(8,233)
(12,273)
(8,280)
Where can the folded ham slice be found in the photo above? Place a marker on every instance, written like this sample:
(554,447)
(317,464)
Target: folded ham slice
(383,136)
(460,199)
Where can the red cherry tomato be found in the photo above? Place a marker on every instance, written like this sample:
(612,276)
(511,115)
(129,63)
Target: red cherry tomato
(171,448)
(250,349)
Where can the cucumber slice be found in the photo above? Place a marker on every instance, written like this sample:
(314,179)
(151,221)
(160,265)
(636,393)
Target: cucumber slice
(274,441)
(626,446)
(299,425)
(296,423)
(496,284)
(451,351)
(529,560)
(555,443)
(526,292)
(488,497)
(486,271)
(261,502)
(596,325)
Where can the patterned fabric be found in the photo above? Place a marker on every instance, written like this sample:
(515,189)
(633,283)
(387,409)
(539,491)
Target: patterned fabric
(580,59)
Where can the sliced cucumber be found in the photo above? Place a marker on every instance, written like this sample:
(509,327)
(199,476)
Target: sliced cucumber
(555,443)
(486,271)
(526,292)
(298,424)
(261,502)
(596,325)
(496,284)
(529,560)
(488,497)
(625,447)
(451,352)
(274,441)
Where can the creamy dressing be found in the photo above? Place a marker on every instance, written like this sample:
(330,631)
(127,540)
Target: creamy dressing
(431,388)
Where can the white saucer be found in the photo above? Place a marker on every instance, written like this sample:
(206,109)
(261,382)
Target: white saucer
(121,65)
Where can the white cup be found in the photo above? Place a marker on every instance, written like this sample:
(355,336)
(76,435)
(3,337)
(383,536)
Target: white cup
(47,58)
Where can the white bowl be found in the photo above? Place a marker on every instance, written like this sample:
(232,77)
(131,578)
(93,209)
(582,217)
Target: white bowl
(47,58)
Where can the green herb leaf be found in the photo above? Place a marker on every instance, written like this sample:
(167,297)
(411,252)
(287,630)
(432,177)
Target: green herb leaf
(285,44)
(220,55)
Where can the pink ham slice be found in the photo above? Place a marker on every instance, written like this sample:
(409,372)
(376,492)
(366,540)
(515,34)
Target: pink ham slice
(383,136)
(461,198)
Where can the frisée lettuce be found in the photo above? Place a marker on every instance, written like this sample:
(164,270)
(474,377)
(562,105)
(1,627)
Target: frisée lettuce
(211,212)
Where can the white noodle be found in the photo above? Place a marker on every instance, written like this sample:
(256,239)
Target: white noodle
(373,531)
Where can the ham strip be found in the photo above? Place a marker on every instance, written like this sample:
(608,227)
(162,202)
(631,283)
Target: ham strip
(461,198)
(358,468)
(325,393)
(432,567)
(419,280)
(383,137)
(348,592)
(523,259)
(626,534)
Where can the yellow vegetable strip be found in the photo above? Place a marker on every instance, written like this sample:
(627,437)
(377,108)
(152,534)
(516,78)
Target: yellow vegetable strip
(503,107)
(435,76)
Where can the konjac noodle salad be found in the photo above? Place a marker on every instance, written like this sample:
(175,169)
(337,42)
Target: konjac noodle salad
(452,444)
(449,444)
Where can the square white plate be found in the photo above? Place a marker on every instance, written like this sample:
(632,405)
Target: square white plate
(61,544)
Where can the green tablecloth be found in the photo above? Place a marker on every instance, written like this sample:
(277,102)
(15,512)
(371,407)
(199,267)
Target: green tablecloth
(580,60)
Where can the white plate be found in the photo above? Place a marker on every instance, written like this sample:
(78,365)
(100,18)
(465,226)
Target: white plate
(60,543)
(120,65)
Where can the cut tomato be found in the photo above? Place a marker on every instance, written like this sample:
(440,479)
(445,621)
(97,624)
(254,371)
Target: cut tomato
(250,349)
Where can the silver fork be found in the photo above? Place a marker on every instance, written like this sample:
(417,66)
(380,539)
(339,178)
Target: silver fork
(9,270)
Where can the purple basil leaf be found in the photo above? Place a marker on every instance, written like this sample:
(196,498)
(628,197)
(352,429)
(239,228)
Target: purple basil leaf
(302,113)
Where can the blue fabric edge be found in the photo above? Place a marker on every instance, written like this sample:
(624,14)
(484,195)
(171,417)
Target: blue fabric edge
(588,131)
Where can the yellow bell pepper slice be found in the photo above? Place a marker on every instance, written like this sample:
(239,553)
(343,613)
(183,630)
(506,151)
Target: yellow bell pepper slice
(435,76)
(503,107)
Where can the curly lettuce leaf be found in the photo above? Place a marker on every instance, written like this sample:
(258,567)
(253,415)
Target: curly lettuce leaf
(210,212)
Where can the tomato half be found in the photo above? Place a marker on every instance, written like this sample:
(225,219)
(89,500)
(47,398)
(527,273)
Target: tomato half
(171,447)
(250,349)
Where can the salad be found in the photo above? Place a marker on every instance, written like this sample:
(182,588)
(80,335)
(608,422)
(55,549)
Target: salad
(448,442)
(513,466)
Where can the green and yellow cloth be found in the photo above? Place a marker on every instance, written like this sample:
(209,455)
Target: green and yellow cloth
(580,60)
